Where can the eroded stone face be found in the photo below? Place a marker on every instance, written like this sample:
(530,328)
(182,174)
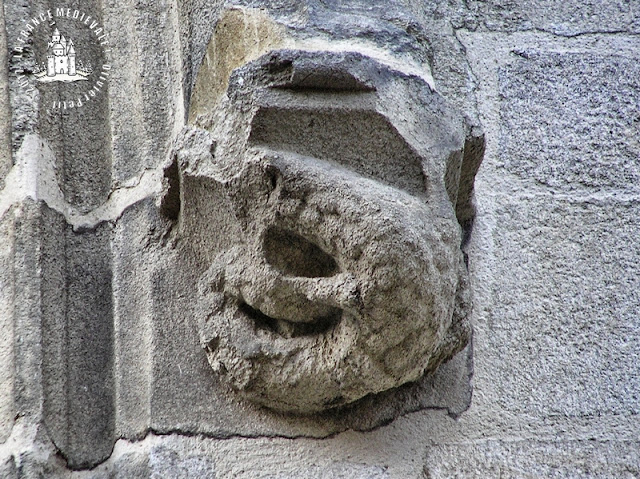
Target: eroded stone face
(326,194)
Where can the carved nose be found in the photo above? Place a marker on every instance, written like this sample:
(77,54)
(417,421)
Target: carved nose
(293,255)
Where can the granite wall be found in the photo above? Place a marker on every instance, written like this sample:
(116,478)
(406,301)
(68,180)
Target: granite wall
(102,372)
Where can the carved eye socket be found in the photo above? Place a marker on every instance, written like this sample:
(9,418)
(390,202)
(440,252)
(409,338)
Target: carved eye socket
(363,141)
(293,255)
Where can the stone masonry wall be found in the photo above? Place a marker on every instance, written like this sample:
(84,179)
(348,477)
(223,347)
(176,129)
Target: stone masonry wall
(101,370)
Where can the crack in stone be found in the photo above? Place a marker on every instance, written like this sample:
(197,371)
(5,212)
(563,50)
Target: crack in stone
(34,176)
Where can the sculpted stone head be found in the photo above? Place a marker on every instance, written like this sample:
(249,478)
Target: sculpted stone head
(330,192)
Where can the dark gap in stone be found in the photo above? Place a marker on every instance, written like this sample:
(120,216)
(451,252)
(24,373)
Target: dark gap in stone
(293,255)
(290,329)
(170,204)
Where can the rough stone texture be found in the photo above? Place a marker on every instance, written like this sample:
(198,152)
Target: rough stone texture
(301,309)
(7,356)
(412,33)
(591,247)
(561,17)
(8,468)
(133,315)
(552,257)
(572,138)
(570,459)
(5,109)
(197,19)
(147,104)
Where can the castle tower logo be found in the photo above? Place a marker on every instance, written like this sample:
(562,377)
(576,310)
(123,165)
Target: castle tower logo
(75,51)
(62,64)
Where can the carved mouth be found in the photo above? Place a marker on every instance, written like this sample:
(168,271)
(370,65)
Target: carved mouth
(289,329)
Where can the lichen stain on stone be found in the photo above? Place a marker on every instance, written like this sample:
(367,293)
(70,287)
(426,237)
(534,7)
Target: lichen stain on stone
(240,36)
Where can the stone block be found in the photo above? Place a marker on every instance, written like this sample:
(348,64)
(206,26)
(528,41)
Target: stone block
(162,379)
(62,368)
(146,91)
(8,468)
(5,110)
(535,458)
(133,273)
(561,17)
(7,357)
(130,466)
(169,464)
(333,471)
(570,121)
(562,334)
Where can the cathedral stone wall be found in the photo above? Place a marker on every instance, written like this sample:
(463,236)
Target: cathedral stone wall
(517,123)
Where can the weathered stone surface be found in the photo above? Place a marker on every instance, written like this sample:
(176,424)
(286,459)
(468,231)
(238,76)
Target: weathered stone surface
(99,276)
(89,344)
(197,21)
(7,338)
(337,471)
(163,381)
(130,465)
(310,302)
(5,109)
(64,378)
(26,311)
(535,458)
(72,319)
(146,103)
(582,126)
(413,33)
(552,347)
(23,103)
(134,242)
(561,17)
(184,394)
(176,457)
(173,465)
(8,468)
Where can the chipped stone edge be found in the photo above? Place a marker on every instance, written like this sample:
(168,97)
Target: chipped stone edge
(34,176)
